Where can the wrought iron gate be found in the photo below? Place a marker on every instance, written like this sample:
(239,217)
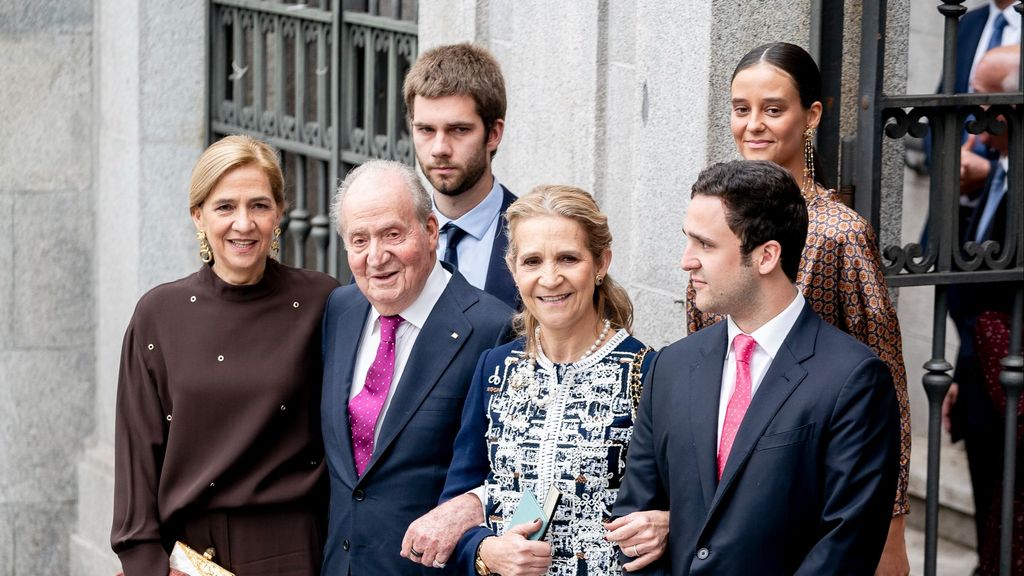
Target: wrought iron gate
(277,71)
(942,261)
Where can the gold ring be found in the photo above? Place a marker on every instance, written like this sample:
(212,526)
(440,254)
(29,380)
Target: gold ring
(636,553)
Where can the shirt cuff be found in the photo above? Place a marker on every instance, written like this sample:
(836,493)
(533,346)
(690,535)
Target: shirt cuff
(481,495)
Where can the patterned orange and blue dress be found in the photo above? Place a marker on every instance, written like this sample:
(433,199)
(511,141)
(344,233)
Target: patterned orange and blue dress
(841,277)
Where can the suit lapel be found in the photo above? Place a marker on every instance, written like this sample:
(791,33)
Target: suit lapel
(783,376)
(346,344)
(442,336)
(499,281)
(705,385)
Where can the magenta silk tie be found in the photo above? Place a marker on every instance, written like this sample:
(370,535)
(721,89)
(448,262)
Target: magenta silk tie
(364,409)
(743,346)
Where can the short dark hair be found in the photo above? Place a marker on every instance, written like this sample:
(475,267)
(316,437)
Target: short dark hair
(762,202)
(458,70)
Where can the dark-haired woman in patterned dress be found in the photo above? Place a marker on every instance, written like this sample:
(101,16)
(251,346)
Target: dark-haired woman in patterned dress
(776,105)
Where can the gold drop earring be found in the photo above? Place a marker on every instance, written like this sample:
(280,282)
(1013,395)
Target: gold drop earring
(275,244)
(205,254)
(809,186)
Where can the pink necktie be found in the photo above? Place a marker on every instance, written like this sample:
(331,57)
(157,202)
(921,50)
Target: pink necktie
(364,409)
(743,346)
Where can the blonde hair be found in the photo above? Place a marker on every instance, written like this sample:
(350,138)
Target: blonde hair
(227,154)
(610,300)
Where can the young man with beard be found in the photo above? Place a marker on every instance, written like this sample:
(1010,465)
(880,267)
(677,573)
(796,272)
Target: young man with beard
(455,95)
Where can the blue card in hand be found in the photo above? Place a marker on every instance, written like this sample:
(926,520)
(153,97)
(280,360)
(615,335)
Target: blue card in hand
(530,509)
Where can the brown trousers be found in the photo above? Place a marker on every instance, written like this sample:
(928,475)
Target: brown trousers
(259,541)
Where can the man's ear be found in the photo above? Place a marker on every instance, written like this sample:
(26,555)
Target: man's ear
(495,134)
(768,257)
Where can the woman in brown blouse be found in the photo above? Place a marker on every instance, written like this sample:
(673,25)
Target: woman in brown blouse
(776,105)
(217,439)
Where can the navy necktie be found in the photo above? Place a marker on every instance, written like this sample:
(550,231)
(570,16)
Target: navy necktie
(455,235)
(997,32)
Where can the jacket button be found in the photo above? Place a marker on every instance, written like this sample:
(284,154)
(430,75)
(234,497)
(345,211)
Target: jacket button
(359,495)
(344,544)
(703,554)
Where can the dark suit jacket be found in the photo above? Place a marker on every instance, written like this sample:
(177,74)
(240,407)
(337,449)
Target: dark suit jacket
(368,515)
(973,410)
(809,482)
(499,280)
(969,30)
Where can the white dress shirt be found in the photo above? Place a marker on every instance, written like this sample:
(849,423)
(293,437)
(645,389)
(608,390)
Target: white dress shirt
(769,337)
(481,224)
(1011,34)
(405,338)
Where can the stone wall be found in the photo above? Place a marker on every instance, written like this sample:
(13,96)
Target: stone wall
(47,257)
(150,107)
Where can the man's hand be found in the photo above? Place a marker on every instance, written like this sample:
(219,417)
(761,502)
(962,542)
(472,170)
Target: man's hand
(974,169)
(894,557)
(947,406)
(640,535)
(431,538)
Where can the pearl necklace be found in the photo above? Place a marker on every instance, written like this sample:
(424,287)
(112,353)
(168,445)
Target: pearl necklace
(526,376)
(593,347)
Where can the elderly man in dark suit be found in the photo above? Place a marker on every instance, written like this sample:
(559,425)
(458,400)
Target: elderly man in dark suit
(400,346)
(773,438)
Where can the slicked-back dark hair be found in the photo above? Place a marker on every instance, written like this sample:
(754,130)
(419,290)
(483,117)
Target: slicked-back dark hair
(801,68)
(762,202)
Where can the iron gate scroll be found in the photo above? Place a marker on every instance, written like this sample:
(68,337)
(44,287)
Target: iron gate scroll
(941,260)
(277,72)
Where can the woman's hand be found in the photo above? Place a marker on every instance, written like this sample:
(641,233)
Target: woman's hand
(640,535)
(511,554)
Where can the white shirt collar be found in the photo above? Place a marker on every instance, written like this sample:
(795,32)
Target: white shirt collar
(772,333)
(417,312)
(479,219)
(1011,15)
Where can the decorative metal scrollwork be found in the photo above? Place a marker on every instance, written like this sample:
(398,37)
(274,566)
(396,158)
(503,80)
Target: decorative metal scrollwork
(281,75)
(971,256)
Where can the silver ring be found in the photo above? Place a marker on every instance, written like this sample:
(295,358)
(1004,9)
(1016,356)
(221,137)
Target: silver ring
(636,553)
(438,564)
(415,552)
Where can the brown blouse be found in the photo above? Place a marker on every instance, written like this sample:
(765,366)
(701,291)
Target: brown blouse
(841,277)
(217,405)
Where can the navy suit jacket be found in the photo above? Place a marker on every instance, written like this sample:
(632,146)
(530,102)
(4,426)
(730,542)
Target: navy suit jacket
(969,30)
(369,514)
(499,279)
(809,482)
(973,410)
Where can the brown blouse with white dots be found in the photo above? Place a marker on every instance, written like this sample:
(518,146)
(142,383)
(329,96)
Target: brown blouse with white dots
(841,277)
(217,405)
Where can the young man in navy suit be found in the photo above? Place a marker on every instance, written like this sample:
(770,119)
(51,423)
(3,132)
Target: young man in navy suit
(400,346)
(455,96)
(772,438)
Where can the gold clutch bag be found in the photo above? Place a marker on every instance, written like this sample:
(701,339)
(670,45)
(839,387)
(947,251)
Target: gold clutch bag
(187,560)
